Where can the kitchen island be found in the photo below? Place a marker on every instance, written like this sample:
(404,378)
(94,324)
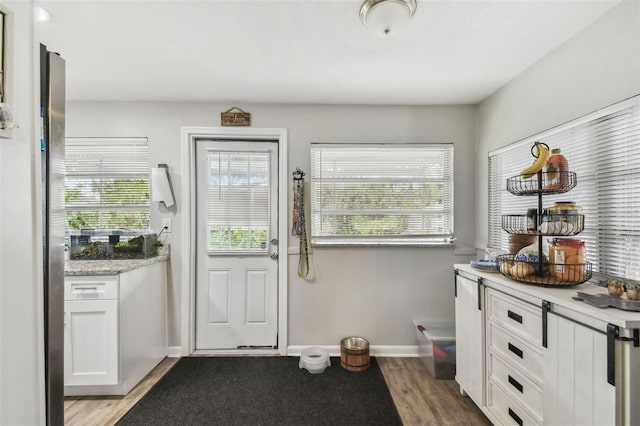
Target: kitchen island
(537,355)
(115,323)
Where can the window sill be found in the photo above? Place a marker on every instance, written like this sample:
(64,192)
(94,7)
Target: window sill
(382,245)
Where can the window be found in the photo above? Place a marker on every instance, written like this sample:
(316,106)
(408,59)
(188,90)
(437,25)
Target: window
(107,183)
(378,194)
(603,149)
(238,197)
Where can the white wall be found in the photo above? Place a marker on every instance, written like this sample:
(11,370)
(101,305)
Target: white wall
(21,348)
(594,69)
(373,293)
(370,292)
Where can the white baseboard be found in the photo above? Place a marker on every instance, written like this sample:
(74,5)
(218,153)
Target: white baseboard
(334,350)
(375,350)
(174,352)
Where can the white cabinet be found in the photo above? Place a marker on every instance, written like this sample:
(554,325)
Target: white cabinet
(90,342)
(115,329)
(469,338)
(548,359)
(575,375)
(91,330)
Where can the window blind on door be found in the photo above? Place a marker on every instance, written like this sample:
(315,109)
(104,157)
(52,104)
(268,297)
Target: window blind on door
(238,197)
(382,194)
(107,183)
(603,149)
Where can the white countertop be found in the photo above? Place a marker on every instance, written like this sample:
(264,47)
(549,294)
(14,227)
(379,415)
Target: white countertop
(107,267)
(562,297)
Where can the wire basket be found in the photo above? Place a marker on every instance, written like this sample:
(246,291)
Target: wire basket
(561,225)
(544,273)
(519,185)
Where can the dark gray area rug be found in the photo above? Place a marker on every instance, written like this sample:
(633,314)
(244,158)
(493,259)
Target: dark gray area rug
(264,391)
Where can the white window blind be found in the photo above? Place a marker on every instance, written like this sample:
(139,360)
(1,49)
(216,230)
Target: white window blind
(382,194)
(238,198)
(107,183)
(603,149)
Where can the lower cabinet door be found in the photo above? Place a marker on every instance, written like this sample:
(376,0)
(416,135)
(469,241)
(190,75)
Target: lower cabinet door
(469,339)
(576,391)
(91,342)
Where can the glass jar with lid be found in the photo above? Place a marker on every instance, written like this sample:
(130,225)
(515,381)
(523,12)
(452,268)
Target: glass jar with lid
(561,209)
(567,259)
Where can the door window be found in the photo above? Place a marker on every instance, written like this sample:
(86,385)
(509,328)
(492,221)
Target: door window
(238,202)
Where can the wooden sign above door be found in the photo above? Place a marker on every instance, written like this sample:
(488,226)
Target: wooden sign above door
(240,118)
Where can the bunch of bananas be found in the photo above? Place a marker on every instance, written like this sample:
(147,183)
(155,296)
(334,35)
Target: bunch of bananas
(542,155)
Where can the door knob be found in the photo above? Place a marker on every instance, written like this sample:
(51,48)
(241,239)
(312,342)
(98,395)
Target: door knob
(274,241)
(274,256)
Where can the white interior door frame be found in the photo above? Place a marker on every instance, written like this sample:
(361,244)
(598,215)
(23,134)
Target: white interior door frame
(189,137)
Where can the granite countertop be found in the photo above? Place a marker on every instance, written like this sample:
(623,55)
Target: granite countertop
(107,267)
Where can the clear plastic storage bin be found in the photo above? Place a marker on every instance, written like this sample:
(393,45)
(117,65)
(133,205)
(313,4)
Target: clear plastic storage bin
(437,348)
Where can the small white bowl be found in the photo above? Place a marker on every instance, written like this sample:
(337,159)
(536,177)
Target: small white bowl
(314,360)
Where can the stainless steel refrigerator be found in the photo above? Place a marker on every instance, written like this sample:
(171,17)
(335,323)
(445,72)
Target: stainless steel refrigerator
(52,111)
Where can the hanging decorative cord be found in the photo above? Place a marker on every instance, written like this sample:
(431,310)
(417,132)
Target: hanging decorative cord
(298,228)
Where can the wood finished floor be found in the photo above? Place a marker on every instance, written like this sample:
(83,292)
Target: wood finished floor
(420,399)
(107,410)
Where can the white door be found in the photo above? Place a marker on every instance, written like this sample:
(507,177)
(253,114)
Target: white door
(236,244)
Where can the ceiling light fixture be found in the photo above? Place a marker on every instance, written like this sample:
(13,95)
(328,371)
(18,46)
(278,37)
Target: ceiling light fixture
(386,17)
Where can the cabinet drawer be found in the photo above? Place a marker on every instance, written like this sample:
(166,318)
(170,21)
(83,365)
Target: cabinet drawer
(516,384)
(91,288)
(519,317)
(506,409)
(527,359)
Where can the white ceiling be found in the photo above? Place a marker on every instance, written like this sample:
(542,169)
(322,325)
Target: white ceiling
(303,51)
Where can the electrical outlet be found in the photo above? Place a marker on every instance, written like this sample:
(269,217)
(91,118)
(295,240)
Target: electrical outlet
(166,224)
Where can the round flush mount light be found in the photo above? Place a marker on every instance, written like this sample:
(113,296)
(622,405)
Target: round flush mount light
(387,17)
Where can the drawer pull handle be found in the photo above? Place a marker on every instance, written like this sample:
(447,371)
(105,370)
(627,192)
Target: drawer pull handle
(514,316)
(516,384)
(455,282)
(515,417)
(517,351)
(86,288)
(613,332)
